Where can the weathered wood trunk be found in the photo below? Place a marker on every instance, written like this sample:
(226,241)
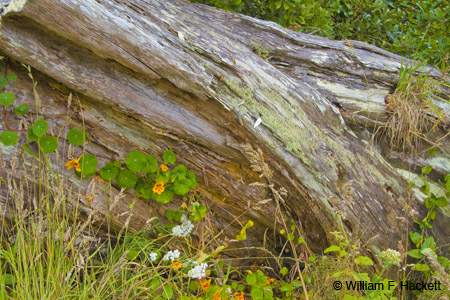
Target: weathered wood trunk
(153,75)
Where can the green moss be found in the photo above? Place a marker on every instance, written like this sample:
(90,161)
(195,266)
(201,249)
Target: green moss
(259,49)
(240,88)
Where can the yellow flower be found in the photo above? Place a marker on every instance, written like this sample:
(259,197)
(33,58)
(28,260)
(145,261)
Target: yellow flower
(176,264)
(269,281)
(73,164)
(164,168)
(89,198)
(158,188)
(205,283)
(239,296)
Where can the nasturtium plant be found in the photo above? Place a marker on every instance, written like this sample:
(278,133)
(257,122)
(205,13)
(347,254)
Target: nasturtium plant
(39,127)
(117,163)
(21,109)
(12,77)
(31,136)
(9,138)
(191,176)
(3,82)
(28,150)
(178,173)
(198,211)
(109,172)
(48,144)
(88,165)
(126,179)
(135,160)
(163,177)
(169,157)
(76,137)
(150,165)
(182,186)
(173,215)
(165,197)
(144,190)
(6,99)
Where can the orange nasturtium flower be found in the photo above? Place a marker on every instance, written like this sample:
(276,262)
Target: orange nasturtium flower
(89,198)
(158,188)
(239,295)
(176,264)
(205,283)
(269,281)
(217,295)
(164,168)
(73,164)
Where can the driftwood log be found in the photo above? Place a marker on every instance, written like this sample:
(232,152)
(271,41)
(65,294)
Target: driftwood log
(160,74)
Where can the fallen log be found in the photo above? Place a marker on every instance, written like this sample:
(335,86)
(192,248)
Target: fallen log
(157,75)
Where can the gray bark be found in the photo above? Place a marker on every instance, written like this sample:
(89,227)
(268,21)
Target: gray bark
(153,75)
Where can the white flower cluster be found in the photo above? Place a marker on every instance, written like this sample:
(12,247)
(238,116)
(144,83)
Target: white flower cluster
(153,256)
(390,256)
(172,255)
(184,229)
(198,272)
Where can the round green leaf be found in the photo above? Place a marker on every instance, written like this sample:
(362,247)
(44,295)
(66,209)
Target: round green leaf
(3,82)
(88,164)
(191,176)
(109,172)
(135,160)
(117,163)
(9,138)
(76,137)
(178,173)
(12,77)
(144,190)
(48,144)
(426,170)
(39,128)
(182,186)
(6,99)
(150,165)
(198,211)
(250,278)
(31,136)
(163,177)
(169,157)
(126,179)
(165,197)
(21,109)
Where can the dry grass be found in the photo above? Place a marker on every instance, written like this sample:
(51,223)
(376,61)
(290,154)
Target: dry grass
(413,114)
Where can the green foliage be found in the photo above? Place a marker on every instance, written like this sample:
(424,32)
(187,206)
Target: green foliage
(198,211)
(21,109)
(76,137)
(135,160)
(126,179)
(48,144)
(6,99)
(9,138)
(109,172)
(417,29)
(169,157)
(88,165)
(3,82)
(243,235)
(39,128)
